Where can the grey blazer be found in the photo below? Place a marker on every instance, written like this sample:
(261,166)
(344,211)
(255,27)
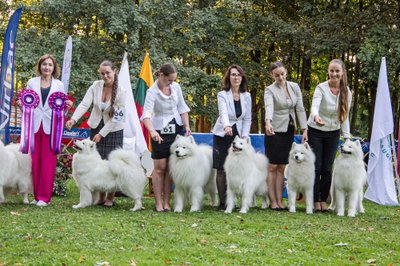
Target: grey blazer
(278,110)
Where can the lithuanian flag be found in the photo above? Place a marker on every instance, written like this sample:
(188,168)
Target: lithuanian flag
(145,82)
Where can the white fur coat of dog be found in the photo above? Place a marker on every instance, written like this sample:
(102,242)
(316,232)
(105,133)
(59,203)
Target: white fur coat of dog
(246,175)
(348,178)
(15,172)
(121,172)
(190,166)
(300,174)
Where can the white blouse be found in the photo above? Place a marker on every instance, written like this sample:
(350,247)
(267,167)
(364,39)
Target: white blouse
(161,109)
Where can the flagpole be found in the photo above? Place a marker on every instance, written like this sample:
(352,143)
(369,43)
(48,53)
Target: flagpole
(393,144)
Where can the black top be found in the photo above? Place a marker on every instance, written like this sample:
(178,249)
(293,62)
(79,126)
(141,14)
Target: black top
(45,93)
(238,108)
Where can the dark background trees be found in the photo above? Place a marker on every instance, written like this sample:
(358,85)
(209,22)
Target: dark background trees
(204,37)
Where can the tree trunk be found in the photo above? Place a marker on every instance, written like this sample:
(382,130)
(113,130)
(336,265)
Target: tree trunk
(356,85)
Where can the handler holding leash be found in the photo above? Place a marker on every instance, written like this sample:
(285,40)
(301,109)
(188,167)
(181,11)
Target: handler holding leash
(283,101)
(329,113)
(165,114)
(106,119)
(234,107)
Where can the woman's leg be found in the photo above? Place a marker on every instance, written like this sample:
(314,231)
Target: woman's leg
(315,142)
(272,184)
(280,180)
(221,187)
(328,157)
(158,177)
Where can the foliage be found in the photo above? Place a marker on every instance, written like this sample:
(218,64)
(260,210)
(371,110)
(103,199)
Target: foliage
(58,234)
(63,174)
(204,37)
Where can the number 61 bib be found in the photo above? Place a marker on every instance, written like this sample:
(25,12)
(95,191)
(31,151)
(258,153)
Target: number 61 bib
(168,129)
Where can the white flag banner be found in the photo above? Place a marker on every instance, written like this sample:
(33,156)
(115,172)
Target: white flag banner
(381,186)
(133,135)
(66,69)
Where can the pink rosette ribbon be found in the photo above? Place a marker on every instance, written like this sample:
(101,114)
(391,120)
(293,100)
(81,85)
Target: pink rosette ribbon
(58,105)
(29,100)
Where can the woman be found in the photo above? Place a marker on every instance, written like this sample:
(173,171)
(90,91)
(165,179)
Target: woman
(234,108)
(329,113)
(283,101)
(106,127)
(43,160)
(165,114)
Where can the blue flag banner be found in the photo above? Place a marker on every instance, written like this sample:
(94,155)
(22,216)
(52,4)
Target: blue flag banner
(7,75)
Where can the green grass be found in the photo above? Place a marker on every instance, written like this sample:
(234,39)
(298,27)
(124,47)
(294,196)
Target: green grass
(59,235)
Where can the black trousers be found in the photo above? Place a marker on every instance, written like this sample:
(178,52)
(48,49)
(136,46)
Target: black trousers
(325,145)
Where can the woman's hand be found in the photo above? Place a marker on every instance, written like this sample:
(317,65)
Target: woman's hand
(70,123)
(319,121)
(269,130)
(188,131)
(97,138)
(155,136)
(228,131)
(304,137)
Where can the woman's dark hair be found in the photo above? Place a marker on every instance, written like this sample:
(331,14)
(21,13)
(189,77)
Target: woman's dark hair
(276,65)
(226,82)
(115,84)
(343,110)
(56,70)
(166,69)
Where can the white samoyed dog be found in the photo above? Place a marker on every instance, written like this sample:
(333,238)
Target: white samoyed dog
(300,174)
(349,177)
(121,172)
(246,175)
(15,172)
(190,166)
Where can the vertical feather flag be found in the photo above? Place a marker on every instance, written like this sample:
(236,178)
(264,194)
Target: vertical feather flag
(145,82)
(381,185)
(133,135)
(7,75)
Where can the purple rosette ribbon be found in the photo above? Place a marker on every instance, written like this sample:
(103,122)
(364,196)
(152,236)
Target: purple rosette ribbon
(58,105)
(29,100)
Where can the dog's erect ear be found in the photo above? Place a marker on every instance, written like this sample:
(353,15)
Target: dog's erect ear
(178,137)
(293,144)
(358,143)
(306,145)
(248,140)
(192,139)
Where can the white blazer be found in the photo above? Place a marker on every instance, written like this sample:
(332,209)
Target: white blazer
(227,114)
(42,114)
(93,96)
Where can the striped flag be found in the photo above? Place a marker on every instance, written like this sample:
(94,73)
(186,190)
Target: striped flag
(145,82)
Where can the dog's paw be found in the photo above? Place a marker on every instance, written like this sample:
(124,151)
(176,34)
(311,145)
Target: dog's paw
(291,209)
(135,209)
(76,206)
(228,211)
(194,210)
(351,214)
(341,214)
(177,210)
(243,211)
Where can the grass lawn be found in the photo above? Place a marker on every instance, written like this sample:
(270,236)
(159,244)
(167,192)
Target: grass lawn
(59,235)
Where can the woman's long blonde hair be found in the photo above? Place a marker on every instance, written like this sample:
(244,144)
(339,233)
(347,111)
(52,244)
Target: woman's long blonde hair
(343,110)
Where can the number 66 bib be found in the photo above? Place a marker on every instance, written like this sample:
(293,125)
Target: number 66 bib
(119,115)
(168,129)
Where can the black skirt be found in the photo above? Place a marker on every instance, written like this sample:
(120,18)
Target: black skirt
(112,141)
(277,147)
(221,146)
(162,150)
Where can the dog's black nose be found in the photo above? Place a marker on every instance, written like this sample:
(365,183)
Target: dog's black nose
(177,152)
